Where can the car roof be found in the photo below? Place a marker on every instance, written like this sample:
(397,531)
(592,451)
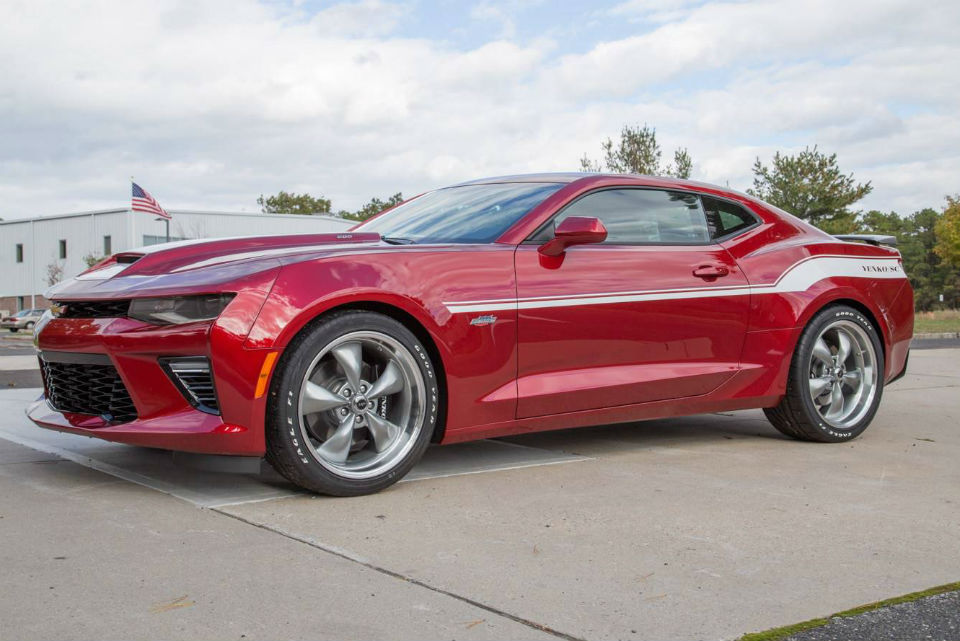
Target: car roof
(557,177)
(572,176)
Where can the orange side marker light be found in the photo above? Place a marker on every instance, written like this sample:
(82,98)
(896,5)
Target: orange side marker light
(265,374)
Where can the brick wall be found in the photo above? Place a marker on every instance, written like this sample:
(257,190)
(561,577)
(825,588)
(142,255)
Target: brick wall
(9,303)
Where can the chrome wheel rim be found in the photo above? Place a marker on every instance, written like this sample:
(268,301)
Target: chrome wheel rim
(843,374)
(362,404)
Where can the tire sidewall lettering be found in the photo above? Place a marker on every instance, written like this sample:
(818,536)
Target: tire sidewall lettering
(290,424)
(814,329)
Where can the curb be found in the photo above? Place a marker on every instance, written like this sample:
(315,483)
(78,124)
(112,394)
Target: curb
(936,335)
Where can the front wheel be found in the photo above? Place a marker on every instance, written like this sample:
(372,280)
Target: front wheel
(354,405)
(835,381)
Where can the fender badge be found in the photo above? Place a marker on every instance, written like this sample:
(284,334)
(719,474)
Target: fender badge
(489,319)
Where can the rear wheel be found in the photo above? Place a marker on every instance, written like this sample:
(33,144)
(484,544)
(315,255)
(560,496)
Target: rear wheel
(836,379)
(354,406)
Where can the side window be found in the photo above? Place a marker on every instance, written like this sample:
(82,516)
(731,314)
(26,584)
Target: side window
(725,218)
(640,217)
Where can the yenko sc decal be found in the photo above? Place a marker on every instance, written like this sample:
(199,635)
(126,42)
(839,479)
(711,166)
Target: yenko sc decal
(881,269)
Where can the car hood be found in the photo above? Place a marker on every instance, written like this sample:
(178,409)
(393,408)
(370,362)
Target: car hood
(199,265)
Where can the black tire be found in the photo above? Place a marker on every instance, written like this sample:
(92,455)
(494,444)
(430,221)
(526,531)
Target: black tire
(14,330)
(287,452)
(796,415)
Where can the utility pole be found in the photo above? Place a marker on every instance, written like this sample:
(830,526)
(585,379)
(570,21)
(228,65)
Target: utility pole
(167,226)
(33,266)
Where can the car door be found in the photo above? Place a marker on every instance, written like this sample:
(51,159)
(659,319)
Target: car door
(657,311)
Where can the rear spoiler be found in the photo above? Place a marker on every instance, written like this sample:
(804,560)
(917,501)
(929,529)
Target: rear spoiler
(870,239)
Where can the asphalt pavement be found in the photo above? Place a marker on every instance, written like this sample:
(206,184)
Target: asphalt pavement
(935,343)
(933,618)
(702,527)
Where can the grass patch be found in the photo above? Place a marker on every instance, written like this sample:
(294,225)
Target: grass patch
(787,630)
(946,320)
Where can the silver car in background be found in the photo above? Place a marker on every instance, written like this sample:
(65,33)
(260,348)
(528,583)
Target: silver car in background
(24,319)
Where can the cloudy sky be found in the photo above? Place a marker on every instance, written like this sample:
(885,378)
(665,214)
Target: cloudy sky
(210,103)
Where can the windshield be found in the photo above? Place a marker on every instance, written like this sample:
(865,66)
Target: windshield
(468,214)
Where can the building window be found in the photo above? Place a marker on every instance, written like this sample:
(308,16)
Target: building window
(107,246)
(20,303)
(149,239)
(63,248)
(19,252)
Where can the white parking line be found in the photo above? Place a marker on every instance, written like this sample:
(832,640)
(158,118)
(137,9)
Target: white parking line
(18,362)
(159,470)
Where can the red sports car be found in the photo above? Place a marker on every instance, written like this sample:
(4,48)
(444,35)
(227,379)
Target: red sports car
(494,307)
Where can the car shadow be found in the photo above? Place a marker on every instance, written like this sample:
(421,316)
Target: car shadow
(686,431)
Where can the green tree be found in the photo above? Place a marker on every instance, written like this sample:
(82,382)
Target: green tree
(638,152)
(54,272)
(682,164)
(917,239)
(372,208)
(289,203)
(948,232)
(92,259)
(810,186)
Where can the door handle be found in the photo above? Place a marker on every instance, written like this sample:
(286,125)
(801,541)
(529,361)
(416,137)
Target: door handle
(711,271)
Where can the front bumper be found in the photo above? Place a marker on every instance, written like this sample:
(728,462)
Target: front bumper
(184,430)
(164,417)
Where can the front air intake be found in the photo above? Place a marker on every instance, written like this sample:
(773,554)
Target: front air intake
(193,377)
(84,383)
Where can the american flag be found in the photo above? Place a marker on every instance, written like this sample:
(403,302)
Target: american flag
(142,201)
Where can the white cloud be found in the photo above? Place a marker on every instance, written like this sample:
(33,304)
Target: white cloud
(365,18)
(210,104)
(653,10)
(491,12)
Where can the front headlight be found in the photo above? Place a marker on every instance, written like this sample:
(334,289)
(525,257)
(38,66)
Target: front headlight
(178,309)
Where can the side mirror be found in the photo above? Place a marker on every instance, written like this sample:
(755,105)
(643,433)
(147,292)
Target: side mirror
(575,230)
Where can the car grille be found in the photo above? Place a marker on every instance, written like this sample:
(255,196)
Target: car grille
(194,379)
(86,387)
(93,309)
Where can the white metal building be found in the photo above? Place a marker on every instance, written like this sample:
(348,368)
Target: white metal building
(31,248)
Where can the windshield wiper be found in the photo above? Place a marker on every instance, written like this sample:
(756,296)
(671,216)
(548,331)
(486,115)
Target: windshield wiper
(396,240)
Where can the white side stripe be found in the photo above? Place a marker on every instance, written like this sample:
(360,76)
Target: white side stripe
(799,277)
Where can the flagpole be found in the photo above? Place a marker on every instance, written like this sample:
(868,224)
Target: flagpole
(131,235)
(154,207)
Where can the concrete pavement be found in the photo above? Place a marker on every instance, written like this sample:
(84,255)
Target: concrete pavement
(703,527)
(88,556)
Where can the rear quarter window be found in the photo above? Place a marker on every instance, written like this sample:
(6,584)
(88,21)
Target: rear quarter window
(725,219)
